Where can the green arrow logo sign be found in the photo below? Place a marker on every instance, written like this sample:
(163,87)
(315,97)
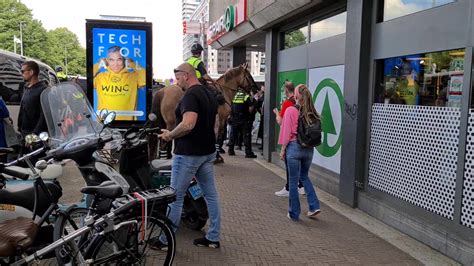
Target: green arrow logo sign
(325,149)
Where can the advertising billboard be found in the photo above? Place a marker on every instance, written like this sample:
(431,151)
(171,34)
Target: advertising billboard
(119,70)
(327,87)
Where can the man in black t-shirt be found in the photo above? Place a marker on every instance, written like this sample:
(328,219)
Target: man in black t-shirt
(194,137)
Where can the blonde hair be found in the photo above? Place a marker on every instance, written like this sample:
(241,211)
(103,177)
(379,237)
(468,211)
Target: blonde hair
(305,101)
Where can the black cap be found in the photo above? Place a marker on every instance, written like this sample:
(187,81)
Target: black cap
(196,48)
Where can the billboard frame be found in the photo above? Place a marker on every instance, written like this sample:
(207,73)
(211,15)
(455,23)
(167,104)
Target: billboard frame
(125,25)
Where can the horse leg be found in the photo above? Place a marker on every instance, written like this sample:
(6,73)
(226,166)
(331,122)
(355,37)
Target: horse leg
(221,135)
(219,140)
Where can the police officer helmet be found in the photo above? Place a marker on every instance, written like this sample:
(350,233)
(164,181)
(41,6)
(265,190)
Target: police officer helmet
(196,48)
(59,69)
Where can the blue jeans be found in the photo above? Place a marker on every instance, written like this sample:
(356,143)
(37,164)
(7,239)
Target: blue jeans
(185,167)
(298,161)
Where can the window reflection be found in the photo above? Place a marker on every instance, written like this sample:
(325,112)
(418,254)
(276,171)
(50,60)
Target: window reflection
(329,27)
(430,79)
(397,8)
(296,37)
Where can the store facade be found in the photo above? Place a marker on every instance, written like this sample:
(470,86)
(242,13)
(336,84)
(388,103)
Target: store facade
(393,82)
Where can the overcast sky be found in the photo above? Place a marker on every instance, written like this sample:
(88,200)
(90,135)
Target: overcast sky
(165,16)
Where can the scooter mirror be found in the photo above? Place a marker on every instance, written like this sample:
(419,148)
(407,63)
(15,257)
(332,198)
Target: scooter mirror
(44,136)
(41,165)
(103,113)
(109,118)
(152,117)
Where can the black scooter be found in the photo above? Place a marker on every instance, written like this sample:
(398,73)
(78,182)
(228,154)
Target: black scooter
(134,165)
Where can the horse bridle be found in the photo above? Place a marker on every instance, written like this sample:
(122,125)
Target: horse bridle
(252,84)
(252,81)
(246,78)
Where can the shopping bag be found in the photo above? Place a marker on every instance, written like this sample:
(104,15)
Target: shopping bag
(12,137)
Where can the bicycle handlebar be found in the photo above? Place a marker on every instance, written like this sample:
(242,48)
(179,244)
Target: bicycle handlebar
(14,173)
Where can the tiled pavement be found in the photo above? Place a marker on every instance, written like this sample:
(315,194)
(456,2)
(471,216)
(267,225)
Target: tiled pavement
(256,231)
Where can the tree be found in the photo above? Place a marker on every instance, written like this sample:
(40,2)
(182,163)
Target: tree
(63,46)
(294,38)
(49,47)
(12,13)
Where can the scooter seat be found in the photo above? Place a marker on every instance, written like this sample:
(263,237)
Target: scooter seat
(16,234)
(109,192)
(4,150)
(22,194)
(51,172)
(161,164)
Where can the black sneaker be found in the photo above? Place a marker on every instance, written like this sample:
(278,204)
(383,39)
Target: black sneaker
(203,242)
(251,155)
(219,160)
(156,244)
(221,150)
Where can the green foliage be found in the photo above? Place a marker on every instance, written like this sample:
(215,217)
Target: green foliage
(63,46)
(11,13)
(294,38)
(52,47)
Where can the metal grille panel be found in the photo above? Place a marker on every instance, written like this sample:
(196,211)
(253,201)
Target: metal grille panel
(467,210)
(413,154)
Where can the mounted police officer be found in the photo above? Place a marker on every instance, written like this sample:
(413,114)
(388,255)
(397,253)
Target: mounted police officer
(242,108)
(196,62)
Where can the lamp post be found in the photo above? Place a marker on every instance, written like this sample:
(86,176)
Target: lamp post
(65,58)
(21,37)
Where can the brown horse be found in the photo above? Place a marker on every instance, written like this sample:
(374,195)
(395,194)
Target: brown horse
(165,101)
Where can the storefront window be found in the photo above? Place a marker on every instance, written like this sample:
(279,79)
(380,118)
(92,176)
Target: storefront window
(296,37)
(329,27)
(429,79)
(397,8)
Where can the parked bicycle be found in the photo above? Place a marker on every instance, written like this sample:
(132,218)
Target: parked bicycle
(131,226)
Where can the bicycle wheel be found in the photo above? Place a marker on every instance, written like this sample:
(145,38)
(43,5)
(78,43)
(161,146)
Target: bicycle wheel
(66,224)
(133,243)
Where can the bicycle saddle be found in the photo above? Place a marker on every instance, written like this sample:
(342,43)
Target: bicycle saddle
(16,234)
(107,190)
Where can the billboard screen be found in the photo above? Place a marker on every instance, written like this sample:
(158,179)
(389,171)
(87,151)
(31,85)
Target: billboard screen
(119,68)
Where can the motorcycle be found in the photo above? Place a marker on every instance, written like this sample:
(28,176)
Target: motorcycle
(16,192)
(19,202)
(86,135)
(83,135)
(134,164)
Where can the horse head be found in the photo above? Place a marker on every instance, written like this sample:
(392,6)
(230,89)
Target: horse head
(247,83)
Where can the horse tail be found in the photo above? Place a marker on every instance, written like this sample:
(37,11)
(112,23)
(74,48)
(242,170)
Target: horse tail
(156,109)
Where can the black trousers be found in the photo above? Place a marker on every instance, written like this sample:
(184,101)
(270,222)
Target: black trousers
(244,127)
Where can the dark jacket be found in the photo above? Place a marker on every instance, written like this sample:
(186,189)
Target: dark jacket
(241,107)
(31,117)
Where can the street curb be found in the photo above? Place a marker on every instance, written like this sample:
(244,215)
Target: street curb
(414,248)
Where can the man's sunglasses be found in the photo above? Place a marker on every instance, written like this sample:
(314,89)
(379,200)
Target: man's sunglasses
(24,70)
(179,70)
